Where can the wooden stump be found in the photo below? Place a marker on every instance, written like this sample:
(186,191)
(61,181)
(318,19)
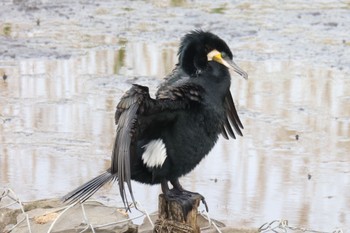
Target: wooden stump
(177,215)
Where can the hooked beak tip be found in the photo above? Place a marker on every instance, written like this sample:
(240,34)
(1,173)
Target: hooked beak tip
(244,75)
(237,69)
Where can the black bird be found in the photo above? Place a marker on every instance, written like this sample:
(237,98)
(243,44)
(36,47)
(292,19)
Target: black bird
(159,140)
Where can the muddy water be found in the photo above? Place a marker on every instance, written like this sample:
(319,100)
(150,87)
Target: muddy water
(57,132)
(58,101)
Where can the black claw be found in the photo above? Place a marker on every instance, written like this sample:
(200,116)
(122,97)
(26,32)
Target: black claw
(185,198)
(202,198)
(205,204)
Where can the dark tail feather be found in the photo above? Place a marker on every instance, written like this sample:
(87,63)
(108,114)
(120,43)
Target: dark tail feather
(86,190)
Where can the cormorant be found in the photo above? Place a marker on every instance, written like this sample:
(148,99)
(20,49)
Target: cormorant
(159,140)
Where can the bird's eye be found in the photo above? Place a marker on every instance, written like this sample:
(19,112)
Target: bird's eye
(207,49)
(223,54)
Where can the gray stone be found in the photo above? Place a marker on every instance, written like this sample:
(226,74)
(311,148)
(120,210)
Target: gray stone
(42,215)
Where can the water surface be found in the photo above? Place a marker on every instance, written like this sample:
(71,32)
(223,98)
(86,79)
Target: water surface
(67,71)
(292,163)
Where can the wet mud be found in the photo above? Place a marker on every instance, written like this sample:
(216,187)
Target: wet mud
(65,64)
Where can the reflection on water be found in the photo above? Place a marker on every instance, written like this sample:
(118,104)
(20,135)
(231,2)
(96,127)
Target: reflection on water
(57,129)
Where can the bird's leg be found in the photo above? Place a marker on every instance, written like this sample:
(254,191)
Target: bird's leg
(169,193)
(178,187)
(165,187)
(176,184)
(186,201)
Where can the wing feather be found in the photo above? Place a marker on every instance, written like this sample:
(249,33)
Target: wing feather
(135,109)
(126,117)
(223,132)
(228,129)
(232,118)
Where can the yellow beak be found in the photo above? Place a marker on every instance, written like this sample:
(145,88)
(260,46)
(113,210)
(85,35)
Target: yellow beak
(216,56)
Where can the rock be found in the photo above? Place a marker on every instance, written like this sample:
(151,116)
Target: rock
(7,217)
(43,213)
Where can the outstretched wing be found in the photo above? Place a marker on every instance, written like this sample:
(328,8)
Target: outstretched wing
(135,110)
(231,120)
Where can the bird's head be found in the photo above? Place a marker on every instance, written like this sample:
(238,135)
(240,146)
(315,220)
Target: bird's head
(198,48)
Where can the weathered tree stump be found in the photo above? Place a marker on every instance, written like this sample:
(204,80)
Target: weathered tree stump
(178,214)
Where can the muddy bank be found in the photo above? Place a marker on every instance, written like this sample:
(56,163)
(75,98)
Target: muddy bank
(315,33)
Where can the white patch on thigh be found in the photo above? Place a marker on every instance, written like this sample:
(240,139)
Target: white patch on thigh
(154,154)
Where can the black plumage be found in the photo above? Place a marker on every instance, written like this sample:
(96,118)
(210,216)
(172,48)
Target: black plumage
(159,140)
